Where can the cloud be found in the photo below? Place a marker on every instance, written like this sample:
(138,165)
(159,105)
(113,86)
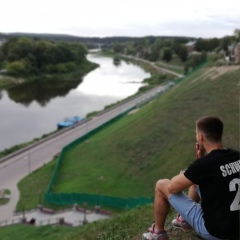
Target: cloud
(207,18)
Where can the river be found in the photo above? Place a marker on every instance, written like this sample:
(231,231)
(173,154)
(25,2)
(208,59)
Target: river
(30,110)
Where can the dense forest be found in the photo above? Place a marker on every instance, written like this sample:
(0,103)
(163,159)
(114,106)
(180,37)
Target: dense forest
(23,56)
(93,42)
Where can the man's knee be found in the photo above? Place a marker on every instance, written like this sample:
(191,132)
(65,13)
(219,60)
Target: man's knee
(162,187)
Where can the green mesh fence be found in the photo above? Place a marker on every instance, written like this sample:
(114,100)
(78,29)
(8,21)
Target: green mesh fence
(94,199)
(91,199)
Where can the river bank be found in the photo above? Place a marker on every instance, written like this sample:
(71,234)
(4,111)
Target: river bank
(7,81)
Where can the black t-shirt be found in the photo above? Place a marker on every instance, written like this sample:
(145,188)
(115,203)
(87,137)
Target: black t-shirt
(218,177)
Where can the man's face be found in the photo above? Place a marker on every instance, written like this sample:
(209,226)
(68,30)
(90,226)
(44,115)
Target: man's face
(197,135)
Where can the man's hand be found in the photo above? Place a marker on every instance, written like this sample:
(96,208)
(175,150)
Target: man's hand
(200,151)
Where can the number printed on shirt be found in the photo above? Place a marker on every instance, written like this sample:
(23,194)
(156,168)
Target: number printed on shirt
(235,206)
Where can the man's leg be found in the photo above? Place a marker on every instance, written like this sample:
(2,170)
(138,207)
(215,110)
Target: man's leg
(192,212)
(179,221)
(161,204)
(161,209)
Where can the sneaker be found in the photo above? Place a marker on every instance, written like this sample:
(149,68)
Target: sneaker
(179,222)
(152,235)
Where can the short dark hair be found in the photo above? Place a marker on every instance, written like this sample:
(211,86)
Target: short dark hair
(212,127)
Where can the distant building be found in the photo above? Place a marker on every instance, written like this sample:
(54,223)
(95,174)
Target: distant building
(190,46)
(237,52)
(234,52)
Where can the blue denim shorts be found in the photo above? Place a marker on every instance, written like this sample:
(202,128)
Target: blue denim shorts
(191,212)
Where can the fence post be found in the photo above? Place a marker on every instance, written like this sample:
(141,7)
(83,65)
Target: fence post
(85,221)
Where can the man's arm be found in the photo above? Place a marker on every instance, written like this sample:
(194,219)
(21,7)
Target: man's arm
(179,183)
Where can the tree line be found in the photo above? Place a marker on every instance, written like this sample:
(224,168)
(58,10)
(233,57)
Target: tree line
(91,42)
(160,50)
(23,56)
(30,54)
(163,49)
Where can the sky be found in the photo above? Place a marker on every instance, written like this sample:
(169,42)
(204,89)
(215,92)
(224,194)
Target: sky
(137,18)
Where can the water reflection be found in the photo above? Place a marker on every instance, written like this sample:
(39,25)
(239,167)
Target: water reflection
(41,91)
(34,108)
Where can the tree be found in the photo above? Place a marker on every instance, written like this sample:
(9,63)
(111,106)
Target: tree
(130,50)
(1,55)
(167,54)
(155,50)
(213,44)
(168,43)
(186,68)
(199,45)
(23,47)
(237,34)
(117,47)
(183,53)
(44,53)
(25,56)
(224,44)
(176,47)
(16,68)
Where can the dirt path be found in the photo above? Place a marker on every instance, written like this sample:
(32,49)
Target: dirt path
(215,72)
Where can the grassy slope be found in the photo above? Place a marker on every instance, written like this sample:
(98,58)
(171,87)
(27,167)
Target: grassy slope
(153,143)
(148,145)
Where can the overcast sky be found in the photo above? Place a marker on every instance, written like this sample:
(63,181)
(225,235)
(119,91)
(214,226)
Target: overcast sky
(101,18)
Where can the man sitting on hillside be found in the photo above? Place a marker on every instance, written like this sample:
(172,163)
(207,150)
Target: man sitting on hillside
(214,178)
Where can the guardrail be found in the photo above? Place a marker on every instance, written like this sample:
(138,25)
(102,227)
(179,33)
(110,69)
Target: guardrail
(24,149)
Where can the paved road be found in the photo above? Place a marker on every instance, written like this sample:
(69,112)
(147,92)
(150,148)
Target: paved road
(13,169)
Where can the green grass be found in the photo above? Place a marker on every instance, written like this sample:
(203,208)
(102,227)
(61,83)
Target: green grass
(6,81)
(175,64)
(21,232)
(4,201)
(126,226)
(176,61)
(33,186)
(128,157)
(170,67)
